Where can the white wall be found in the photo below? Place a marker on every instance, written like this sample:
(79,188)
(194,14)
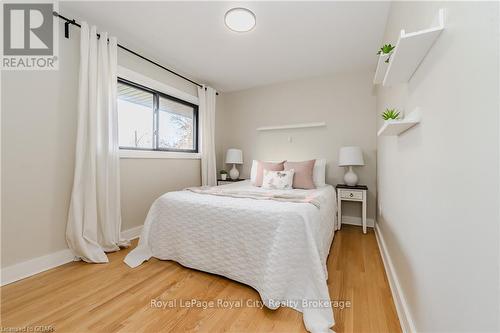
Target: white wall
(438,192)
(38,148)
(345,102)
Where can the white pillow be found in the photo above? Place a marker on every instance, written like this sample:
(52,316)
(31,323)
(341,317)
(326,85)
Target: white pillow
(319,172)
(278,180)
(253,171)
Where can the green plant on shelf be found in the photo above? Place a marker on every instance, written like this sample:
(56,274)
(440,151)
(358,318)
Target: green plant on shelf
(223,172)
(386,49)
(390,114)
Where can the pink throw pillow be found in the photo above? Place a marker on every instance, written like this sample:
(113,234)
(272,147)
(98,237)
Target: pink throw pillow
(267,166)
(303,177)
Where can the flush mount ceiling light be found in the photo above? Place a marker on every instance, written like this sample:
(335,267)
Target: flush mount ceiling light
(240,19)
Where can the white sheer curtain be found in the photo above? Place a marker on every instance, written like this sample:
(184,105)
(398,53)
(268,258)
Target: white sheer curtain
(94,219)
(207,121)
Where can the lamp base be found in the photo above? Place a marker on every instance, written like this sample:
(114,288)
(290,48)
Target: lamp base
(234,173)
(350,178)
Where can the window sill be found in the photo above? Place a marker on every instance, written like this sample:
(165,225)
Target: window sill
(124,153)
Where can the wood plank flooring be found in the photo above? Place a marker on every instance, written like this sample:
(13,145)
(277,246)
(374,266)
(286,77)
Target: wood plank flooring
(80,297)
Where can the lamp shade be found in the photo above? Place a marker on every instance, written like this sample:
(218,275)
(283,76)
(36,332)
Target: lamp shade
(234,156)
(351,156)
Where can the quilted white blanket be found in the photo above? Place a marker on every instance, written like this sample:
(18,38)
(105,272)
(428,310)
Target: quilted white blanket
(278,248)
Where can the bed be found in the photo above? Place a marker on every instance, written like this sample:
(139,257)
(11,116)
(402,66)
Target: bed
(274,241)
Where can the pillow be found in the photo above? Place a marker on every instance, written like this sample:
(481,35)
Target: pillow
(319,173)
(253,171)
(267,166)
(303,175)
(278,180)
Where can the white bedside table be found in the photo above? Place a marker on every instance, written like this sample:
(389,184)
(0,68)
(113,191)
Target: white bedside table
(351,193)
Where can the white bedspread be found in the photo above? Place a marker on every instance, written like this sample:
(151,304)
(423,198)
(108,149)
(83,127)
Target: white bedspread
(278,248)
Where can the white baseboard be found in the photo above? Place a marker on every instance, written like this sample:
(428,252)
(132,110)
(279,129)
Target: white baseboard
(37,265)
(404,314)
(132,233)
(353,220)
(34,266)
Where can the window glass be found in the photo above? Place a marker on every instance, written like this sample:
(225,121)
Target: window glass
(135,117)
(151,120)
(176,125)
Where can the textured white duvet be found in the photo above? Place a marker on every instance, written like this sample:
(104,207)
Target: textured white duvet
(278,248)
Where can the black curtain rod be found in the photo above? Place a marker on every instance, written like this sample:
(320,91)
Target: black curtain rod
(73,22)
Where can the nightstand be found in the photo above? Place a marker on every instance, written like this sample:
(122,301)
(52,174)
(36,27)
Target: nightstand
(228,181)
(351,193)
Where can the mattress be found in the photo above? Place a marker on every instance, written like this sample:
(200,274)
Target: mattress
(279,248)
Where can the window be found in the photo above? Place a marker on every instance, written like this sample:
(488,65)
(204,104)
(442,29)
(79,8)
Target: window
(151,120)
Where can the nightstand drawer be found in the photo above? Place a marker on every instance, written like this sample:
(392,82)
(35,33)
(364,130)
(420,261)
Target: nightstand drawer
(351,194)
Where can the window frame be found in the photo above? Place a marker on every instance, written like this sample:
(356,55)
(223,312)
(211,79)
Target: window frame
(156,116)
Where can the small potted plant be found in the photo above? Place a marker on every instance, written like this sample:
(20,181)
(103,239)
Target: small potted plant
(223,174)
(386,49)
(391,114)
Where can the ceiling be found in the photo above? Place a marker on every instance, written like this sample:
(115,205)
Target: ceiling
(291,40)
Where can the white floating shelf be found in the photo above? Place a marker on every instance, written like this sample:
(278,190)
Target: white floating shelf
(410,50)
(381,68)
(282,127)
(396,127)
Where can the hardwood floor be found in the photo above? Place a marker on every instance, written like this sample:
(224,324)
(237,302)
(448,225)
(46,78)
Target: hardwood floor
(80,297)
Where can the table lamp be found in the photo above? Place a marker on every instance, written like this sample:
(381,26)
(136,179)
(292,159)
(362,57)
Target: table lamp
(349,157)
(234,156)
